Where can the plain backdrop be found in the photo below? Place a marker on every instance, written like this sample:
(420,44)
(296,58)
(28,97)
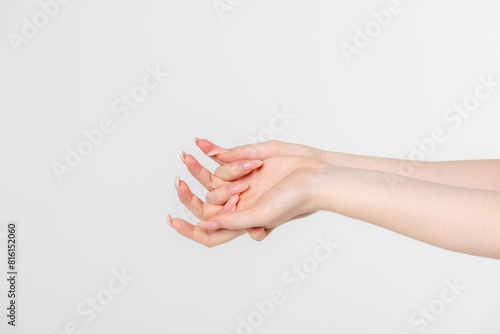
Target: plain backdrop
(226,80)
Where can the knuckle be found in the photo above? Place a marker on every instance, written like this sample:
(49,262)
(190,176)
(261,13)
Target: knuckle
(202,213)
(210,197)
(240,149)
(209,244)
(272,142)
(254,149)
(217,197)
(212,183)
(224,172)
(219,172)
(235,169)
(206,241)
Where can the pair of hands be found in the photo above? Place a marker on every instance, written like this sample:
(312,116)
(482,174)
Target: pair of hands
(255,189)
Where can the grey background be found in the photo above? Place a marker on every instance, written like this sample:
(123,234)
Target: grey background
(226,78)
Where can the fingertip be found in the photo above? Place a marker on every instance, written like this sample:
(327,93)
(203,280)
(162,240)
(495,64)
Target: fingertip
(210,148)
(187,159)
(251,165)
(231,204)
(204,145)
(257,233)
(236,189)
(184,192)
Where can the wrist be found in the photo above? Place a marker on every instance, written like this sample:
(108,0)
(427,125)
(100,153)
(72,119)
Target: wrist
(334,158)
(325,190)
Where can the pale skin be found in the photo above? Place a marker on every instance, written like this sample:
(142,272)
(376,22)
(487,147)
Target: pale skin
(452,205)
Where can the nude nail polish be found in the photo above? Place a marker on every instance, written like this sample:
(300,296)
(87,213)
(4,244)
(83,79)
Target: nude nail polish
(237,189)
(231,203)
(177,182)
(169,220)
(250,165)
(183,155)
(196,140)
(208,225)
(216,151)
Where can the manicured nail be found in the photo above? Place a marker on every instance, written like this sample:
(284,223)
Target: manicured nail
(237,189)
(196,140)
(177,182)
(249,165)
(216,151)
(169,220)
(208,225)
(183,154)
(231,203)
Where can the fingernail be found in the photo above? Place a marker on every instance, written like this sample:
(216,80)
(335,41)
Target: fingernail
(196,140)
(231,203)
(177,182)
(237,189)
(251,165)
(216,151)
(208,225)
(169,220)
(183,154)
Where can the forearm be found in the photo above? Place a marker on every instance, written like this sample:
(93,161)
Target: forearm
(458,219)
(475,174)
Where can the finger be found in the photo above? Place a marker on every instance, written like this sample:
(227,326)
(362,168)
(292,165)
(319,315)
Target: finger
(222,194)
(193,203)
(258,151)
(231,204)
(200,173)
(210,149)
(202,236)
(237,220)
(235,170)
(259,233)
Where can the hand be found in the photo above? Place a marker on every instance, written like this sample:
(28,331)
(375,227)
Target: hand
(279,191)
(265,150)
(209,181)
(204,210)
